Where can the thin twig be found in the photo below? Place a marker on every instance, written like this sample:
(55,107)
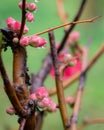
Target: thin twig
(68,23)
(23,18)
(64,19)
(10,90)
(59,85)
(91,122)
(61,11)
(68,82)
(62,44)
(96,57)
(48,63)
(79,93)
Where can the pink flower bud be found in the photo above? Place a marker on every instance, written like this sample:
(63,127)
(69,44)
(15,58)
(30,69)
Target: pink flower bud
(10,110)
(73,61)
(37,41)
(29,17)
(75,65)
(74,36)
(32,7)
(69,41)
(10,21)
(41,93)
(73,69)
(26,29)
(24,41)
(20,5)
(70,100)
(44,102)
(52,107)
(16,26)
(67,57)
(33,96)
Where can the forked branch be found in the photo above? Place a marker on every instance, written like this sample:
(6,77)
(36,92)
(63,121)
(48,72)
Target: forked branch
(10,91)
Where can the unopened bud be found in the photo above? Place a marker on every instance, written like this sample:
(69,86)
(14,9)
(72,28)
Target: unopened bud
(67,58)
(10,110)
(15,40)
(72,64)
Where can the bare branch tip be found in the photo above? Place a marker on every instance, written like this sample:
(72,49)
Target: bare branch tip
(95,18)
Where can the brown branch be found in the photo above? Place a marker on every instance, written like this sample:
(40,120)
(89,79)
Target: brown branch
(63,17)
(91,122)
(10,90)
(39,121)
(19,72)
(96,57)
(30,122)
(37,80)
(72,26)
(79,93)
(47,61)
(21,82)
(59,85)
(61,11)
(68,23)
(22,124)
(68,82)
(23,18)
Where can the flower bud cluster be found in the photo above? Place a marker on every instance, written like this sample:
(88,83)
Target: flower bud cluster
(43,101)
(70,100)
(15,25)
(30,8)
(34,41)
(74,65)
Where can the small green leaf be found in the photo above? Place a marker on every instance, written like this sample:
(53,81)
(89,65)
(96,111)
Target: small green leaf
(39,108)
(72,64)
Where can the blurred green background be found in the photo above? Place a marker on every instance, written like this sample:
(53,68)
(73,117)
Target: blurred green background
(45,17)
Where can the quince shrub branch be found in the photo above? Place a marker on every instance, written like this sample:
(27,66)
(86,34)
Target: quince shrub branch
(30,105)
